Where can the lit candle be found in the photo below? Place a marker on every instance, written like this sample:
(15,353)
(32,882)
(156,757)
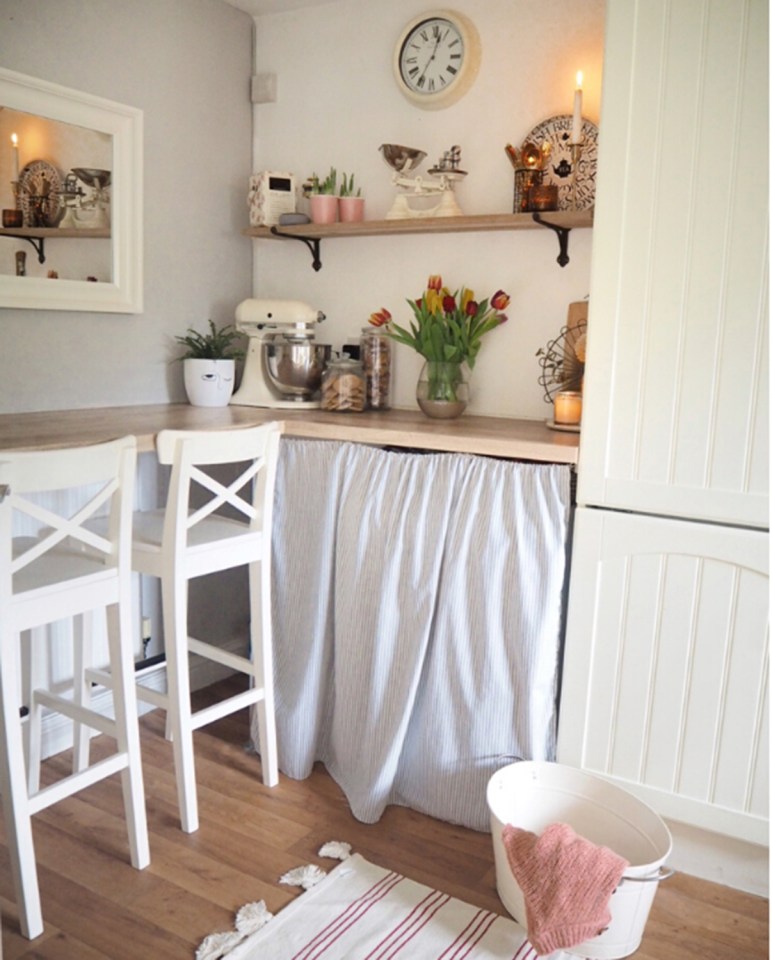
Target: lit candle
(568,407)
(15,167)
(576,129)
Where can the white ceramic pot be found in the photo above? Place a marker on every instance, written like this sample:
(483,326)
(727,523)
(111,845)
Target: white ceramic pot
(209,383)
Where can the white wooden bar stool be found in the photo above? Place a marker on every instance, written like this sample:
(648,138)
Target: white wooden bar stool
(65,571)
(207,527)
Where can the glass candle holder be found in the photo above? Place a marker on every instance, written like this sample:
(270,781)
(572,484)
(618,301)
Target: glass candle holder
(568,408)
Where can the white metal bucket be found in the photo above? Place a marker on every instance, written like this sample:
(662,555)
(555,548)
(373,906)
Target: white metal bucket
(532,795)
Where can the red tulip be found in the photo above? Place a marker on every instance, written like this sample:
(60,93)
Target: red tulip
(503,318)
(472,308)
(448,303)
(434,282)
(380,318)
(500,300)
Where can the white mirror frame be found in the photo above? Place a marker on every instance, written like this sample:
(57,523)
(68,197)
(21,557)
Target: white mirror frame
(124,125)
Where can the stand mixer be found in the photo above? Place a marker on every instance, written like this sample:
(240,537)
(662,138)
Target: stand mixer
(284,364)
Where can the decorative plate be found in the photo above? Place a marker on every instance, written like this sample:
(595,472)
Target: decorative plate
(40,189)
(559,167)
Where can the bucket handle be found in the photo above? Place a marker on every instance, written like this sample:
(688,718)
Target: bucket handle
(663,873)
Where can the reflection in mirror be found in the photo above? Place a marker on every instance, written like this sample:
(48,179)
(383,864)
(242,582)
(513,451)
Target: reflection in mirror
(56,175)
(71,195)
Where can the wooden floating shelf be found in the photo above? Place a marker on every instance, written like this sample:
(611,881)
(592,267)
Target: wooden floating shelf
(54,233)
(312,234)
(376,228)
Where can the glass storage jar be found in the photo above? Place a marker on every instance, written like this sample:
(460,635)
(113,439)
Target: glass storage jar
(343,386)
(375,351)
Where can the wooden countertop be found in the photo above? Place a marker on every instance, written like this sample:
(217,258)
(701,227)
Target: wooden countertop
(488,436)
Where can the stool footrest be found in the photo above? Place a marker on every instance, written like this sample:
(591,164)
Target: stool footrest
(77,781)
(225,707)
(89,718)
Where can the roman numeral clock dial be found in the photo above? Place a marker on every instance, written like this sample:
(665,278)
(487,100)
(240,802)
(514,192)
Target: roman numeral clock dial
(436,58)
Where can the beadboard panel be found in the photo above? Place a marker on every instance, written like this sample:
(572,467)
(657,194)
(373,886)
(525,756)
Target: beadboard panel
(665,684)
(675,418)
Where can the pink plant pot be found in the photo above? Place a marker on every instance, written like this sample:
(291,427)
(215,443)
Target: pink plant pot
(352,209)
(324,208)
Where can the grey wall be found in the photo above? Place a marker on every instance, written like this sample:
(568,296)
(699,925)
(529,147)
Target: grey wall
(187,65)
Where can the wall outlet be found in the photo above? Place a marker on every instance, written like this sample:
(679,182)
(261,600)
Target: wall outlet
(264,88)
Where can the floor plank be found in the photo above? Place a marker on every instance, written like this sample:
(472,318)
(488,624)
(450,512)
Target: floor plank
(97,907)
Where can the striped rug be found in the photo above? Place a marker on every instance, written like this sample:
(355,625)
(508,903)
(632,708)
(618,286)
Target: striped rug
(360,911)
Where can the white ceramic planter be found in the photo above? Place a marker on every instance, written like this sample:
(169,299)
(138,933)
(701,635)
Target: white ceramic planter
(209,383)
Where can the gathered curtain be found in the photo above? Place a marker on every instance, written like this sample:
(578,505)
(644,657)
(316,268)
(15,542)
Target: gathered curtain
(417,621)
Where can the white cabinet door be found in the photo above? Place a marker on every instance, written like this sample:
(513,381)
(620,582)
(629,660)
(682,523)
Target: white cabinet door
(675,415)
(666,663)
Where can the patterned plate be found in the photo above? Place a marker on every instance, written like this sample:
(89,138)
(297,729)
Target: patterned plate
(559,167)
(40,187)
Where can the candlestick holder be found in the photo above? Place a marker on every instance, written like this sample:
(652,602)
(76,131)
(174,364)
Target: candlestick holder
(576,156)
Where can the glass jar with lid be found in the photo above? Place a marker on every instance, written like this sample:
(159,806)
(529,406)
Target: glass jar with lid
(343,386)
(375,351)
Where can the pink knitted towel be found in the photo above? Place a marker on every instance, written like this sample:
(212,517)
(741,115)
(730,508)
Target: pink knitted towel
(566,882)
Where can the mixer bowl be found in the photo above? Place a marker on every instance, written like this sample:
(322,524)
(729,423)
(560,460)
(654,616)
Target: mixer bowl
(295,367)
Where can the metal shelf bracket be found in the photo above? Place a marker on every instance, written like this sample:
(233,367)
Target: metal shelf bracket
(562,233)
(39,243)
(313,244)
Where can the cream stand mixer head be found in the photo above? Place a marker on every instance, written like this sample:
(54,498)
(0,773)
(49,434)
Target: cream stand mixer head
(284,364)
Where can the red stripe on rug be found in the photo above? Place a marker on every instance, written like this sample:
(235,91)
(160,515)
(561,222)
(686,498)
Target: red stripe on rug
(450,952)
(411,925)
(487,921)
(354,912)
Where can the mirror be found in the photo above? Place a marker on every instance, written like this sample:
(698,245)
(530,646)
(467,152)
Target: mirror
(77,163)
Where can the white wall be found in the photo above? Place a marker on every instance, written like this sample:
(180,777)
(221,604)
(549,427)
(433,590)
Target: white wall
(186,64)
(337,101)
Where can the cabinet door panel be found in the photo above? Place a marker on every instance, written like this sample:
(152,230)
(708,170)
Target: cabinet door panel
(666,662)
(675,416)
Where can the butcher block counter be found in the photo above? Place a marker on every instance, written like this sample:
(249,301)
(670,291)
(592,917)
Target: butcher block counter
(487,436)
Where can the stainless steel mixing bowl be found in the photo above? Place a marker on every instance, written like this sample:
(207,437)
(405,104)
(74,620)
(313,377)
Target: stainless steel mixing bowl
(295,367)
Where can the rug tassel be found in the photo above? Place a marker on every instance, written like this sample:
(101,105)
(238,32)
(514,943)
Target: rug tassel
(336,850)
(305,877)
(249,919)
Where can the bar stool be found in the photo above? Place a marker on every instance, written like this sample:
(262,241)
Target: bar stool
(65,570)
(207,527)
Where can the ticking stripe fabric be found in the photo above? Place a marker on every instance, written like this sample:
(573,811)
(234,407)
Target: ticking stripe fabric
(417,621)
(362,912)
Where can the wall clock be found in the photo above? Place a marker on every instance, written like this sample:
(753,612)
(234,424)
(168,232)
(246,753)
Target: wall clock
(559,167)
(436,58)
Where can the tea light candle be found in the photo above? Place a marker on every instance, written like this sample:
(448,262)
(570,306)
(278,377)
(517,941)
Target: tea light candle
(568,407)
(15,158)
(576,127)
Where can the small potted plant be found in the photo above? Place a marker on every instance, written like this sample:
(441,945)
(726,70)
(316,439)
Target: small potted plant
(209,366)
(323,199)
(351,203)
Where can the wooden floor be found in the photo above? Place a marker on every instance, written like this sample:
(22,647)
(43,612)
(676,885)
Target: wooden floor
(97,907)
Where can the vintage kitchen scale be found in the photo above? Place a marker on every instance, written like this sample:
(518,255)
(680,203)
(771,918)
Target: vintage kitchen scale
(284,363)
(418,197)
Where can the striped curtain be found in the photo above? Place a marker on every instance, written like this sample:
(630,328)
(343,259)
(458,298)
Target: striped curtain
(417,616)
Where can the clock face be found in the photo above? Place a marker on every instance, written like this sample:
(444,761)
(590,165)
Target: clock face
(436,58)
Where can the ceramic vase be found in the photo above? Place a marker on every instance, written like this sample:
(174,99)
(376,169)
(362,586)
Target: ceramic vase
(443,389)
(209,383)
(324,208)
(351,209)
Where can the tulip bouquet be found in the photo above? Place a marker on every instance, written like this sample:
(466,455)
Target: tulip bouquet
(447,327)
(446,330)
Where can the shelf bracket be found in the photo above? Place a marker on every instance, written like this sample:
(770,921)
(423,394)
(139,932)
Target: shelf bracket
(313,244)
(562,233)
(39,243)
